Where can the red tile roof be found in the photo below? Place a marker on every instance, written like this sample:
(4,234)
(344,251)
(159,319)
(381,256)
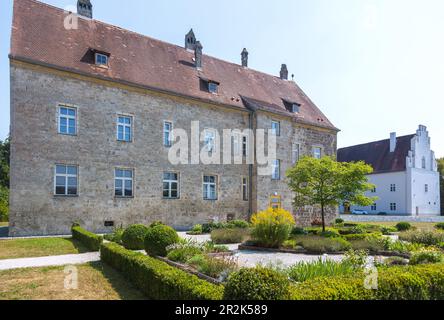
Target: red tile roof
(378,155)
(39,36)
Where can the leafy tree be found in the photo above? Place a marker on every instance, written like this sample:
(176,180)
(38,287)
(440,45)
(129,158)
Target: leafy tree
(4,162)
(326,182)
(441,180)
(4,204)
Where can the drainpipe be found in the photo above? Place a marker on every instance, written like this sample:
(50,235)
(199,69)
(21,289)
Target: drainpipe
(251,166)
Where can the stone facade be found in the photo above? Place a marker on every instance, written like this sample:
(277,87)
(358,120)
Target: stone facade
(36,148)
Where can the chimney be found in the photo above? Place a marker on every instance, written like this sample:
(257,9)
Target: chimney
(244,56)
(392,142)
(190,40)
(284,72)
(84,8)
(198,55)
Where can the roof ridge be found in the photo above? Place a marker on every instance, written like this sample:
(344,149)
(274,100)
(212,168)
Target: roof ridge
(371,142)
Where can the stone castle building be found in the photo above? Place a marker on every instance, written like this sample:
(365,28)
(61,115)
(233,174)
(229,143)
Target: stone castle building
(93,107)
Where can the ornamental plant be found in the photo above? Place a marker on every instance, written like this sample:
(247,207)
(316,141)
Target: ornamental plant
(133,237)
(272,227)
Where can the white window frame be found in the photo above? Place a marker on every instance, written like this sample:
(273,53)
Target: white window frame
(98,59)
(124,180)
(296,153)
(393,206)
(206,188)
(170,183)
(244,140)
(275,128)
(124,127)
(393,187)
(169,132)
(210,140)
(245,189)
(276,168)
(66,176)
(68,118)
(314,151)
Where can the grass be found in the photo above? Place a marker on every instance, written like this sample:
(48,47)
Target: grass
(419,225)
(96,281)
(40,247)
(230,236)
(4,224)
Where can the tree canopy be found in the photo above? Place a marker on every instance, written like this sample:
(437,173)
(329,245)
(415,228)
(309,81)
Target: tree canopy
(326,182)
(441,182)
(4,179)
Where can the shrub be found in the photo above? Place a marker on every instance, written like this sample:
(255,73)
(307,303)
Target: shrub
(339,221)
(88,239)
(116,236)
(361,236)
(229,236)
(211,247)
(197,229)
(298,231)
(426,256)
(403,226)
(317,244)
(158,238)
(208,227)
(272,227)
(4,204)
(316,222)
(422,282)
(215,267)
(396,261)
(388,230)
(330,233)
(422,236)
(134,236)
(156,223)
(182,252)
(238,224)
(156,279)
(304,271)
(257,284)
(440,226)
(371,243)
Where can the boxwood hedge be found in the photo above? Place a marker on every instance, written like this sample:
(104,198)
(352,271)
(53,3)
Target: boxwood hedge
(156,279)
(90,240)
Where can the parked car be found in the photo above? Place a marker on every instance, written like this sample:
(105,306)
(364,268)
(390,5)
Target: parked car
(359,212)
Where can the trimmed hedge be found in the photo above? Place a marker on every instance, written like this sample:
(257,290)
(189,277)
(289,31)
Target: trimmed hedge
(134,236)
(158,238)
(423,282)
(90,240)
(156,279)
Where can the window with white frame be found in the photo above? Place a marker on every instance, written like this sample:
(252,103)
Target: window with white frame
(124,128)
(170,185)
(392,187)
(167,134)
(210,140)
(317,152)
(123,182)
(374,207)
(244,146)
(276,170)
(245,189)
(276,128)
(392,206)
(101,59)
(66,180)
(67,120)
(426,188)
(296,153)
(210,187)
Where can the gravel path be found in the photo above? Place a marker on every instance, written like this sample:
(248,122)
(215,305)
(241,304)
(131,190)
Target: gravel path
(49,261)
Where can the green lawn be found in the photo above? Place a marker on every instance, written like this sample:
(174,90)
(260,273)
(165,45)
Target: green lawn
(41,247)
(96,281)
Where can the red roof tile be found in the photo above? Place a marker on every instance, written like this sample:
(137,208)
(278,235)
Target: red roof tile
(39,36)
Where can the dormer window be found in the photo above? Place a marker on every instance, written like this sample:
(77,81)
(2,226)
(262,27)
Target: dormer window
(101,59)
(212,87)
(295,108)
(292,107)
(208,85)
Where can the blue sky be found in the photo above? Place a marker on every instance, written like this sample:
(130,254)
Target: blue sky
(372,66)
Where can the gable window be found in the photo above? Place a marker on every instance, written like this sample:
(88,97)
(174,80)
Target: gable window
(317,152)
(374,207)
(171,185)
(66,180)
(210,140)
(123,182)
(276,128)
(296,154)
(276,170)
(295,108)
(426,188)
(124,128)
(67,120)
(392,206)
(393,187)
(245,189)
(210,188)
(167,134)
(101,59)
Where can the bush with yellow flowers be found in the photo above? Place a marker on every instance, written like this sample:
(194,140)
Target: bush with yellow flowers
(272,227)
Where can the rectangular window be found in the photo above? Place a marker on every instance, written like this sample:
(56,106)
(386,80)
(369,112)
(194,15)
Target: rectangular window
(295,108)
(296,150)
(276,167)
(244,146)
(374,207)
(392,206)
(210,140)
(426,188)
(67,120)
(66,180)
(123,182)
(317,152)
(374,190)
(124,128)
(276,128)
(167,134)
(393,187)
(171,185)
(210,188)
(101,59)
(245,189)
(212,87)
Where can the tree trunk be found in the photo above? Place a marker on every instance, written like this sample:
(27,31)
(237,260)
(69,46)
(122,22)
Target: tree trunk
(323,217)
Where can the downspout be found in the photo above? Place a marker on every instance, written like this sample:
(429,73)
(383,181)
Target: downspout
(251,165)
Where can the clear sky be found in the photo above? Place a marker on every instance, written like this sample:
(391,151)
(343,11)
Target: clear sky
(372,66)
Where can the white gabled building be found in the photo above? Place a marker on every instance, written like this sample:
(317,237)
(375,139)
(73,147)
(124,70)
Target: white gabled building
(405,174)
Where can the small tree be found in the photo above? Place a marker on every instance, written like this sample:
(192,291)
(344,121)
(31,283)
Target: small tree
(441,182)
(326,182)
